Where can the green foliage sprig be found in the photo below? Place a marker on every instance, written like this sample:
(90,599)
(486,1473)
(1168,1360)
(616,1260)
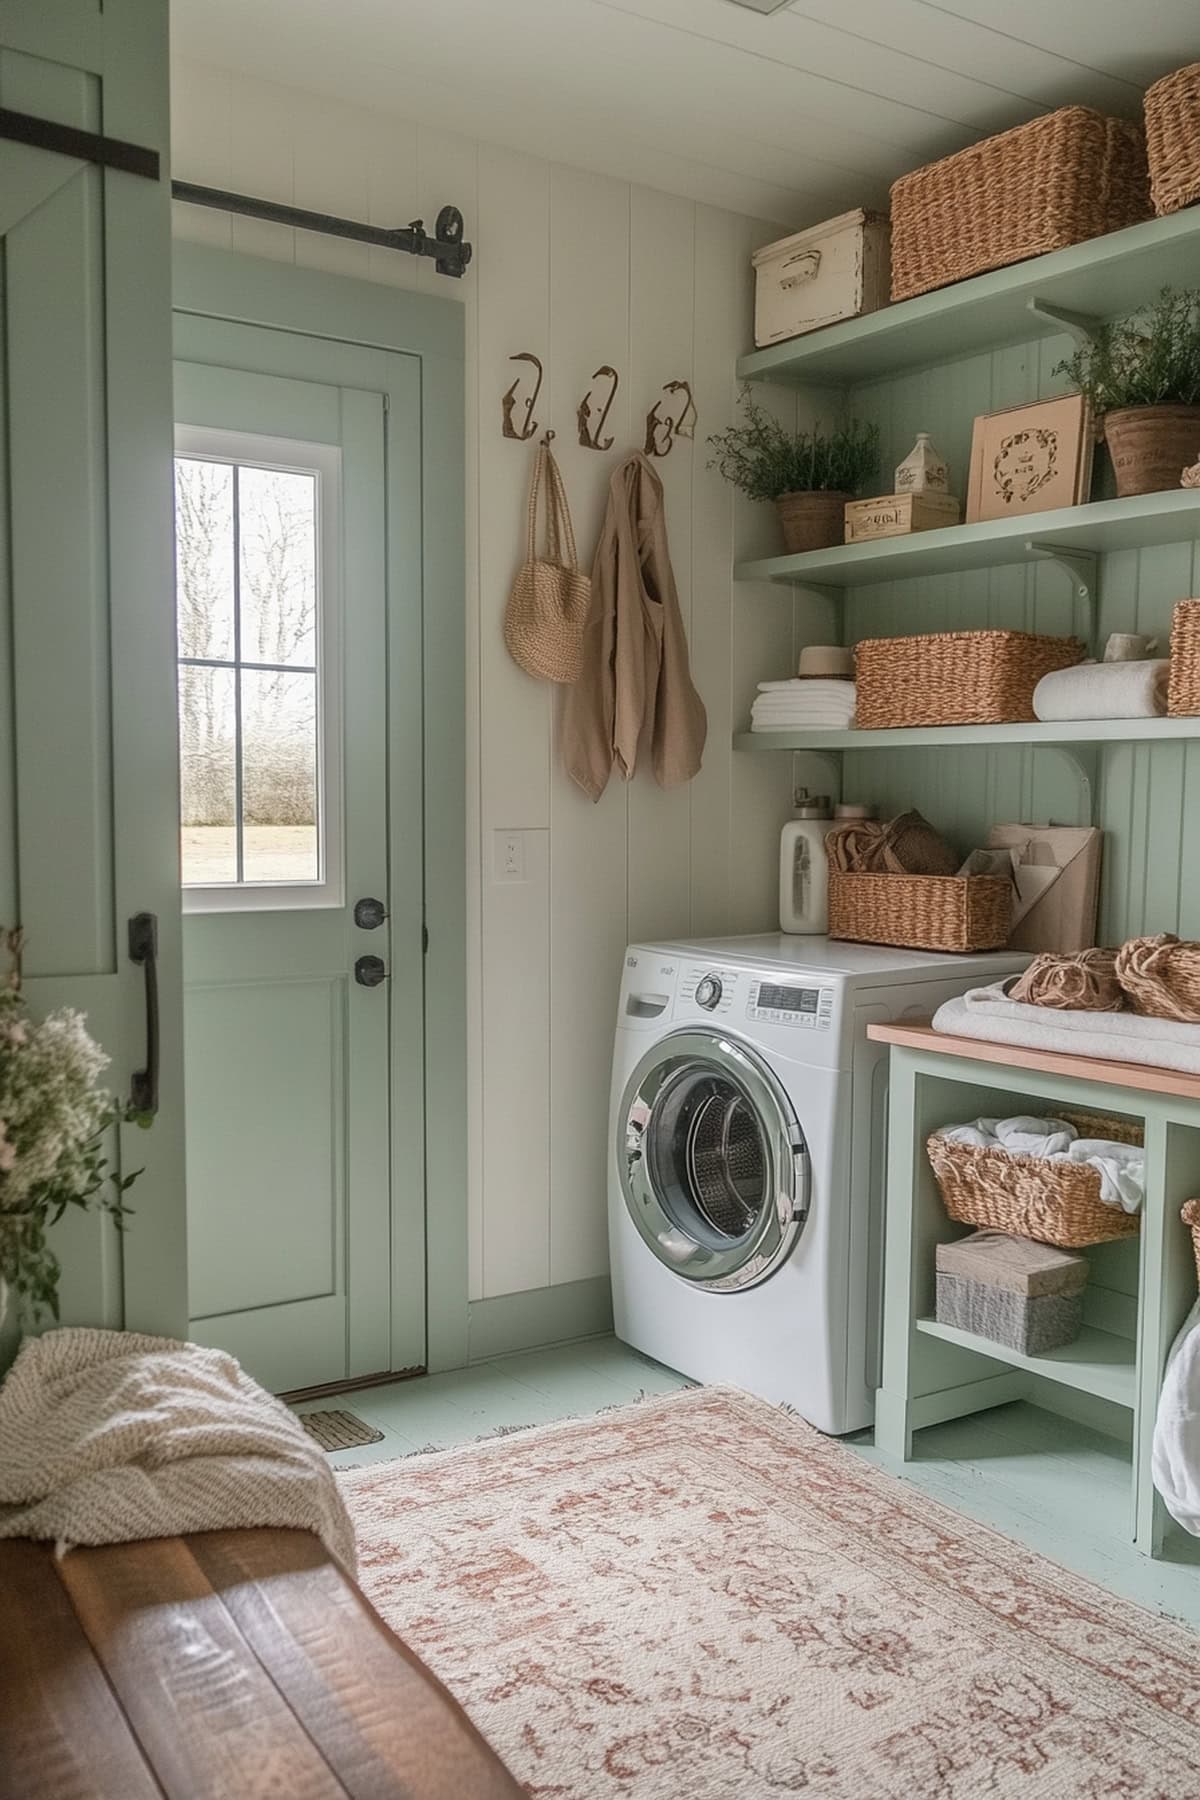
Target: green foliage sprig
(764,459)
(53,1121)
(1151,358)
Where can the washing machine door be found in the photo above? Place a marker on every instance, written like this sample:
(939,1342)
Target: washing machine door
(712,1160)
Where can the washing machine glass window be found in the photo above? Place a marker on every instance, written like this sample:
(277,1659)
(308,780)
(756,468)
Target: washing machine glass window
(713,1162)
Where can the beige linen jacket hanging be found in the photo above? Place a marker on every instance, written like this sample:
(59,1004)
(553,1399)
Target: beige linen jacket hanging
(635,687)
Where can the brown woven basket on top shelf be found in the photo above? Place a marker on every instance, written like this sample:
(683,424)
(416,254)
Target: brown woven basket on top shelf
(1190,1214)
(1183,686)
(1173,139)
(1053,1202)
(921,912)
(954,677)
(1070,175)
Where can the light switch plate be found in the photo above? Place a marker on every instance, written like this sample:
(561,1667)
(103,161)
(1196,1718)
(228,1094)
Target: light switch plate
(508,856)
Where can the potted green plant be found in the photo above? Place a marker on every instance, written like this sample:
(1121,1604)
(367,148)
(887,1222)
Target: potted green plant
(53,1121)
(1142,378)
(810,475)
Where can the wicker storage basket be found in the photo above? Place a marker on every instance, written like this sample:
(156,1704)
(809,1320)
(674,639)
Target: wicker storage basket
(1190,1214)
(921,912)
(1183,688)
(1173,139)
(1055,1203)
(1070,175)
(954,677)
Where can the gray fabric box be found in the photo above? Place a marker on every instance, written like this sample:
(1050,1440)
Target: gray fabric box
(1024,1295)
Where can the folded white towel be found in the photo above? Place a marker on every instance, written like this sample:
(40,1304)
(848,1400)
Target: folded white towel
(987,1013)
(803,724)
(1175,1457)
(1119,690)
(802,712)
(818,716)
(1121,1168)
(811,685)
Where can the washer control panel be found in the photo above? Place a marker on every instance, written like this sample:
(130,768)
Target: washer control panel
(712,990)
(788,1003)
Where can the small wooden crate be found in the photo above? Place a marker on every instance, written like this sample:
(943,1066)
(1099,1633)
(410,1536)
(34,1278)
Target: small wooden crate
(895,515)
(833,271)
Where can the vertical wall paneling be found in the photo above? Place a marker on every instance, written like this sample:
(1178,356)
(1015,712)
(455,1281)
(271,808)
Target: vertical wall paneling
(589,288)
(662,286)
(582,270)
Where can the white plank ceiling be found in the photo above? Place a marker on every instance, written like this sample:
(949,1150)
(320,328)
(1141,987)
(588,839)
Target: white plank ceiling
(787,117)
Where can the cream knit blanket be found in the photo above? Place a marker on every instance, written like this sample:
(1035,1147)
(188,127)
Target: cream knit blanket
(106,1436)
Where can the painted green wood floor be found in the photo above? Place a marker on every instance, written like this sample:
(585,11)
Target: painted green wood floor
(1055,1485)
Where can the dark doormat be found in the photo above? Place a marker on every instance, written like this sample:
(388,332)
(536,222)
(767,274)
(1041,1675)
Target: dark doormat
(339,1430)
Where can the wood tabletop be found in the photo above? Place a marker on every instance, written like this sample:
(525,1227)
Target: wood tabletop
(227,1665)
(1145,1077)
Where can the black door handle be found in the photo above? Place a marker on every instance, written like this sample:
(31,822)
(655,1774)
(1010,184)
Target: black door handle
(369,913)
(369,971)
(143,949)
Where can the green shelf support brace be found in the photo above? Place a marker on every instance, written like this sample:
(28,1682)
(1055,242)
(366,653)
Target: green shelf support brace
(1080,568)
(1082,326)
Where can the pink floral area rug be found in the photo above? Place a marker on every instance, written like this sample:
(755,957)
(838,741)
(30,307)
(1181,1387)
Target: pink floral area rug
(701,1598)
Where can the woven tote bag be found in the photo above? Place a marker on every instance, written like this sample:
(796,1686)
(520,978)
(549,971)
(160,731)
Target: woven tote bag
(548,604)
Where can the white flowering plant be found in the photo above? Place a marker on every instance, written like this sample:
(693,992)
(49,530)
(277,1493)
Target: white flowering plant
(53,1120)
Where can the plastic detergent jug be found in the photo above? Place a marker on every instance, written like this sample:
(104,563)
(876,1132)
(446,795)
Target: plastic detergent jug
(803,870)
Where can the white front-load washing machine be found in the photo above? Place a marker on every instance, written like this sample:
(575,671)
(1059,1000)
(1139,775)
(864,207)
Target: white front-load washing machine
(746,1179)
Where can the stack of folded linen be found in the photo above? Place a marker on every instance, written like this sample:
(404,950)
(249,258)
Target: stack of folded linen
(805,704)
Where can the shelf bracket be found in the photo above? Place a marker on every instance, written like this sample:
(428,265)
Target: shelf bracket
(1079,566)
(1082,326)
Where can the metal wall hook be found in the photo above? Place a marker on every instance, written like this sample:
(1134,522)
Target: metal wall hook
(508,400)
(661,431)
(589,436)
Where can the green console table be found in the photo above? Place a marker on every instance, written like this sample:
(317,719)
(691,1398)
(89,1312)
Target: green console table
(1140,1290)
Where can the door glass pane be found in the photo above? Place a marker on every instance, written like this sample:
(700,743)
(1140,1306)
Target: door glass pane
(279,776)
(208,774)
(251,662)
(278,544)
(204,558)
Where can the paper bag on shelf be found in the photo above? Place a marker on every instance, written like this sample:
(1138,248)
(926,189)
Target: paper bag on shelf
(1056,870)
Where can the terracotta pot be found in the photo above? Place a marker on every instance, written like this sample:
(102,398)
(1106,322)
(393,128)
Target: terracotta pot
(812,521)
(1151,446)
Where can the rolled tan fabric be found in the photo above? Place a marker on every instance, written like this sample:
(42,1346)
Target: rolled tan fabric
(907,845)
(1083,982)
(1161,977)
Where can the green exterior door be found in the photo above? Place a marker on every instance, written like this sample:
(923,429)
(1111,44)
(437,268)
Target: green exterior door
(295,942)
(88,786)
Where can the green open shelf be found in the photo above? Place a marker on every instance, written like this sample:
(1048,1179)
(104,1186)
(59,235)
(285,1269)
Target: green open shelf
(1098,1362)
(1102,278)
(1103,525)
(1061,731)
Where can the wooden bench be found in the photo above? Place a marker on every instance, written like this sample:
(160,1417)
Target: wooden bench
(223,1666)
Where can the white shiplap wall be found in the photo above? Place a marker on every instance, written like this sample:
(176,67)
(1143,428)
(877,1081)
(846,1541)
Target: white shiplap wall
(583,269)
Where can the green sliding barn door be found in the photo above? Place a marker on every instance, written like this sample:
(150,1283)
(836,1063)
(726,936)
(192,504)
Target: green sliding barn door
(295,948)
(88,800)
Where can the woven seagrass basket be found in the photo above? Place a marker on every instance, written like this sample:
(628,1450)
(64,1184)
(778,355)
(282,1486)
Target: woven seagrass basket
(1183,686)
(1055,1203)
(1190,1214)
(1173,139)
(921,912)
(954,677)
(1070,175)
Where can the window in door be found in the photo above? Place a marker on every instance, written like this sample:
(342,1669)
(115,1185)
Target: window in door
(255,527)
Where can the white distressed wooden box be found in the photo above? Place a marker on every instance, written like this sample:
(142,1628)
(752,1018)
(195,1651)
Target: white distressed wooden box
(816,277)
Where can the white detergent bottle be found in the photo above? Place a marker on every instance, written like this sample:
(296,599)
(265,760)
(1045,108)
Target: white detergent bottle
(803,870)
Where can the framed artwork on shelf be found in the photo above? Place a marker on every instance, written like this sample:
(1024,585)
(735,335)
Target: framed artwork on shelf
(1030,459)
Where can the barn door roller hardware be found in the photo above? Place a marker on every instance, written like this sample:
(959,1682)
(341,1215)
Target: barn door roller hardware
(84,146)
(450,253)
